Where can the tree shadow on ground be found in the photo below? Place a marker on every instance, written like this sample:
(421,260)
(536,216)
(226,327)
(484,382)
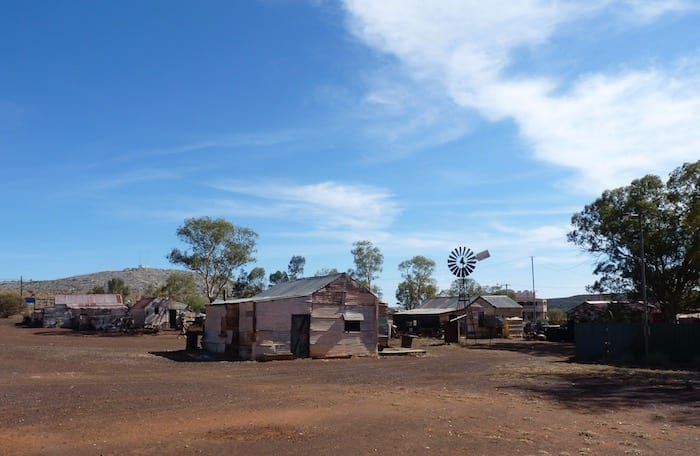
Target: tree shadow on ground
(91,333)
(191,356)
(597,388)
(535,348)
(615,388)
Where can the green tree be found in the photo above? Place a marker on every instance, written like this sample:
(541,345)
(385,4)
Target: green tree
(249,283)
(295,269)
(218,249)
(473,289)
(668,214)
(116,285)
(498,290)
(11,304)
(153,290)
(277,278)
(325,271)
(196,303)
(179,286)
(556,317)
(98,289)
(368,261)
(418,282)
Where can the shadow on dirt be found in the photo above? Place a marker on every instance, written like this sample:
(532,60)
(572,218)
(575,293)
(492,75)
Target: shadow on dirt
(535,348)
(73,333)
(188,356)
(597,388)
(612,388)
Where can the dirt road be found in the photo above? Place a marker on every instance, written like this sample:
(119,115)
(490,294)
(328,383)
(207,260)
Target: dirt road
(65,393)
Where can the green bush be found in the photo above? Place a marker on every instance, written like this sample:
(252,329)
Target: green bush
(11,304)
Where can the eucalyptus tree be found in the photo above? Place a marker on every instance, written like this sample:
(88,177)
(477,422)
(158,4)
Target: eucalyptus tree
(664,219)
(217,249)
(418,283)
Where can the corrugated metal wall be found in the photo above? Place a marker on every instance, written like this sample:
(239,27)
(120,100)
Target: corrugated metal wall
(624,342)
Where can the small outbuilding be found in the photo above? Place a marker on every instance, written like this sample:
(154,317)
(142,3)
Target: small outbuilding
(84,312)
(317,317)
(156,312)
(433,316)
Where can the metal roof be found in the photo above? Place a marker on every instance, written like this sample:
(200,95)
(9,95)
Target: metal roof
(297,288)
(90,301)
(421,311)
(293,289)
(501,302)
(437,311)
(443,302)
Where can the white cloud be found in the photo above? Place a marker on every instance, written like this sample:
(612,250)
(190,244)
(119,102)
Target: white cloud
(608,128)
(326,205)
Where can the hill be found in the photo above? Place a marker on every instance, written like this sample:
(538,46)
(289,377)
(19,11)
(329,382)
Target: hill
(137,279)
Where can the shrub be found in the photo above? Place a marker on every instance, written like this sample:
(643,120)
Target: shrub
(11,304)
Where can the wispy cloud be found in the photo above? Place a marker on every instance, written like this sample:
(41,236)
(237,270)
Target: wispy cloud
(607,127)
(324,205)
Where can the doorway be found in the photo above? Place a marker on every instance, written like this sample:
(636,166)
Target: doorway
(301,328)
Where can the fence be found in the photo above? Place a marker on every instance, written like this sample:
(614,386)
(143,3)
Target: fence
(624,342)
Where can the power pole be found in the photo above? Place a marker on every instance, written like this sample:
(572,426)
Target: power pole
(534,297)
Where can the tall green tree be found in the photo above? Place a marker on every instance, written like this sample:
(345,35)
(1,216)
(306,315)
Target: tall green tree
(418,283)
(668,216)
(368,261)
(295,269)
(179,286)
(249,283)
(217,250)
(278,277)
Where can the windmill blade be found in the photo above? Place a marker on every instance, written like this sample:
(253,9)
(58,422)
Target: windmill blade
(482,255)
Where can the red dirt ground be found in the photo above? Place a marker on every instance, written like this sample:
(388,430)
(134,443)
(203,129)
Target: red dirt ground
(66,393)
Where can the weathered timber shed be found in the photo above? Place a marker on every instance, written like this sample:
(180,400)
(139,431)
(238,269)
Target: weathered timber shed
(156,312)
(317,317)
(89,311)
(430,317)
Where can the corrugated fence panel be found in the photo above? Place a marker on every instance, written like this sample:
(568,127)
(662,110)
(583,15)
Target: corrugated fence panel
(624,342)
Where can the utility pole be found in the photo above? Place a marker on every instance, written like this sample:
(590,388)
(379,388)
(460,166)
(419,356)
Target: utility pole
(643,267)
(644,290)
(534,297)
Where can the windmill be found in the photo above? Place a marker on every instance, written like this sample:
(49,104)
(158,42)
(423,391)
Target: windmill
(462,262)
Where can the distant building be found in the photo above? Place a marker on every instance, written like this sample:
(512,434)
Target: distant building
(83,312)
(612,310)
(156,312)
(534,308)
(483,316)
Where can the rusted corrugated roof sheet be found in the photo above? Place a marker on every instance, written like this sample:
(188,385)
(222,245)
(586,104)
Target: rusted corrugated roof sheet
(91,301)
(142,303)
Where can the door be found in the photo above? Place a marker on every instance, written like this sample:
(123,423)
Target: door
(301,325)
(451,331)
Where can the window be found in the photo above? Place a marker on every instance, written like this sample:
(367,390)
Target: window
(352,326)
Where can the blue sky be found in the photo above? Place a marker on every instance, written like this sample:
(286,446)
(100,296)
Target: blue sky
(420,126)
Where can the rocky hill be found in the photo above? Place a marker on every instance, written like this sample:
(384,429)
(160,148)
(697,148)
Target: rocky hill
(137,279)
